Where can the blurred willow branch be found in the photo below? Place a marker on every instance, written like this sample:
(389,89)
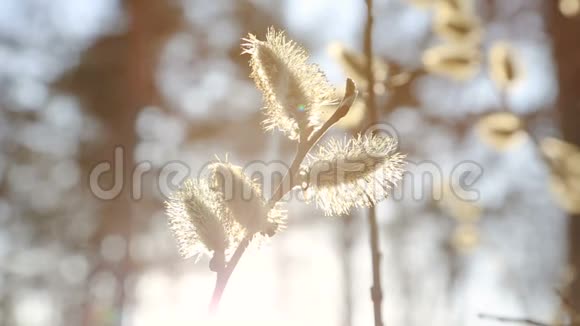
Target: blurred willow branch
(376,290)
(566,49)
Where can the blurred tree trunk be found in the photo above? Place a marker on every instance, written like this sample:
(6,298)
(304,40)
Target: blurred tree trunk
(115,80)
(566,41)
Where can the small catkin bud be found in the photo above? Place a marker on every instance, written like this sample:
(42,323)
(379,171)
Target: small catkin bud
(423,4)
(293,90)
(198,220)
(457,27)
(464,6)
(460,209)
(458,6)
(354,173)
(562,154)
(504,69)
(354,65)
(564,159)
(502,130)
(465,238)
(243,198)
(566,192)
(569,8)
(455,61)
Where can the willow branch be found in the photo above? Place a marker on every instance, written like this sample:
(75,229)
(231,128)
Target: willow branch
(305,145)
(223,275)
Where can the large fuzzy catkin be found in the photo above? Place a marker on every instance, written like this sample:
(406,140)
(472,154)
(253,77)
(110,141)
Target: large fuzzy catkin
(243,198)
(293,89)
(354,173)
(198,220)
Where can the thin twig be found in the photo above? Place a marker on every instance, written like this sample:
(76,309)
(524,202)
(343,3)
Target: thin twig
(518,320)
(568,306)
(346,250)
(564,299)
(224,274)
(513,320)
(376,290)
(368,50)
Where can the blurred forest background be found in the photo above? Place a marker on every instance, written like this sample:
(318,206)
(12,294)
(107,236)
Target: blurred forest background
(165,80)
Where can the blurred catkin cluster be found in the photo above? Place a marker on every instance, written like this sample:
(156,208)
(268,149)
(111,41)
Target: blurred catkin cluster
(460,51)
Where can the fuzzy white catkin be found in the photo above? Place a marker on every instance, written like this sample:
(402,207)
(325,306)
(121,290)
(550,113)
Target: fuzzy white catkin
(198,219)
(243,198)
(293,89)
(357,172)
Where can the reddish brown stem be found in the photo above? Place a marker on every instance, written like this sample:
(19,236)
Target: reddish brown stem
(223,276)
